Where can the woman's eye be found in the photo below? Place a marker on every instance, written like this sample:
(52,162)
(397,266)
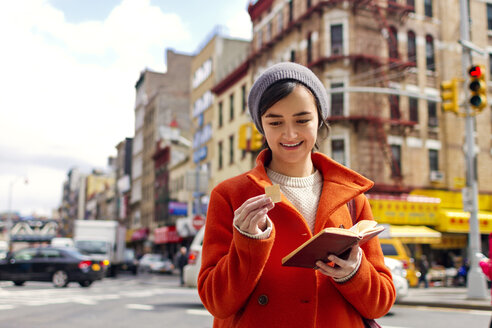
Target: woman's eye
(303,121)
(275,123)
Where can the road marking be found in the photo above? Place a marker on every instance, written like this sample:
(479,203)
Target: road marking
(198,312)
(144,307)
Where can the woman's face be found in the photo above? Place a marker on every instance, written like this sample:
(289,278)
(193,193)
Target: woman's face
(291,127)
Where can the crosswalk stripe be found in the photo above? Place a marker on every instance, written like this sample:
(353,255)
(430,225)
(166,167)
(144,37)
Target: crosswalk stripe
(144,307)
(198,312)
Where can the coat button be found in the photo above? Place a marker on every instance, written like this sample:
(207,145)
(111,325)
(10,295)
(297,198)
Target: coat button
(263,300)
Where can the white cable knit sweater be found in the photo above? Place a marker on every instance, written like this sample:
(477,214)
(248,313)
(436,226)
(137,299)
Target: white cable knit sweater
(303,193)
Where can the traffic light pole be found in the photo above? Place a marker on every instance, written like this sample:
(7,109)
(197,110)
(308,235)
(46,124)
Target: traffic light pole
(476,285)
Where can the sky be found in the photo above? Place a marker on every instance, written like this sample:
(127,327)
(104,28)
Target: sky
(67,74)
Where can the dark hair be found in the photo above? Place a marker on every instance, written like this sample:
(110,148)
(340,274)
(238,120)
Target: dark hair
(280,90)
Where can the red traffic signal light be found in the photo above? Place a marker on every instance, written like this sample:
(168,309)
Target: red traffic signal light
(477,87)
(475,71)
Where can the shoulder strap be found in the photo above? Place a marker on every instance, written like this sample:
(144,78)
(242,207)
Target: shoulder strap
(352,210)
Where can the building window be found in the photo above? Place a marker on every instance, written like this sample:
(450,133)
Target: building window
(336,39)
(338,150)
(393,43)
(433,159)
(432,113)
(413,108)
(411,5)
(396,162)
(336,100)
(428,8)
(243,98)
(221,159)
(293,56)
(280,22)
(221,115)
(308,3)
(411,47)
(310,48)
(429,53)
(231,107)
(291,10)
(269,32)
(231,149)
(394,107)
(489,16)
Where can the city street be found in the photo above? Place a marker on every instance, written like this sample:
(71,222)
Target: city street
(158,301)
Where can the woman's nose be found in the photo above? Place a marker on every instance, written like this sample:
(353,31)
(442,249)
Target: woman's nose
(290,131)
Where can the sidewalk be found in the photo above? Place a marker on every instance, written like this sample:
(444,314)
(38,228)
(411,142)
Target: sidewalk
(450,297)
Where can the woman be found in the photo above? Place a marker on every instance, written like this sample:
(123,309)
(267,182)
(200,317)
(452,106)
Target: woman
(242,282)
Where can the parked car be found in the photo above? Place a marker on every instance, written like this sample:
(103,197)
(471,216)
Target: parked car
(191,270)
(130,262)
(155,263)
(399,277)
(395,249)
(60,265)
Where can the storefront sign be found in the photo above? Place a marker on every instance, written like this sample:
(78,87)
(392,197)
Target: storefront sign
(140,234)
(178,208)
(166,235)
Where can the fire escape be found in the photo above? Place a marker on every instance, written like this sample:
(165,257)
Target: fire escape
(380,70)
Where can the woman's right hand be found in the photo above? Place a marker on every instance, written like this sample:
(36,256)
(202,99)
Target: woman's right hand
(251,216)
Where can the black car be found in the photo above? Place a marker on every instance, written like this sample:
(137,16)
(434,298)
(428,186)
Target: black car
(57,264)
(130,262)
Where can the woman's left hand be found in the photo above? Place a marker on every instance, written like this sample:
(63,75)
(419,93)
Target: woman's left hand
(342,267)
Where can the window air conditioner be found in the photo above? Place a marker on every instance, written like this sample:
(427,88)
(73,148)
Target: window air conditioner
(436,176)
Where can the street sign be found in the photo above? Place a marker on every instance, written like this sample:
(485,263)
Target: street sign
(198,222)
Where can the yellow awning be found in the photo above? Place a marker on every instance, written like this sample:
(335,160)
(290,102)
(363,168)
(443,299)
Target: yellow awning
(415,234)
(452,220)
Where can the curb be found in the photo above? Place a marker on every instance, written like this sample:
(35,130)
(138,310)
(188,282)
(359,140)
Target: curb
(469,306)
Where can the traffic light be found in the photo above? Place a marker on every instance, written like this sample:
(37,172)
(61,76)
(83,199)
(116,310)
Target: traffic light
(250,139)
(478,87)
(243,142)
(449,96)
(256,139)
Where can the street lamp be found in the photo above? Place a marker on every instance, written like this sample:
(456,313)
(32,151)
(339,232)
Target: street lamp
(9,209)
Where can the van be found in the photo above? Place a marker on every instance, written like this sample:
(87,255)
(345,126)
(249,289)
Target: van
(191,270)
(395,249)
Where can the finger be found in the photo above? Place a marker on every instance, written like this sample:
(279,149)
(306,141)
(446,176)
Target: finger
(257,206)
(247,202)
(325,268)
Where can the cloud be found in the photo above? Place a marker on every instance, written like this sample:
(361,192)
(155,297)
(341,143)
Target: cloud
(239,25)
(68,88)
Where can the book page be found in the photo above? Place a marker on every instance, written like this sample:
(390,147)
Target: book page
(363,225)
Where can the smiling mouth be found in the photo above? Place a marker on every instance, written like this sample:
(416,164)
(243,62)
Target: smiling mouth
(291,145)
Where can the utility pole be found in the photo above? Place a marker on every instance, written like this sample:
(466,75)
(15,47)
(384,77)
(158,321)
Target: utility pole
(476,280)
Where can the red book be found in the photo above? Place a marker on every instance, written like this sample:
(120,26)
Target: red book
(331,241)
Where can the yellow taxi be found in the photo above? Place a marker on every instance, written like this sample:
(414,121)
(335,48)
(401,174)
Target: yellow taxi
(395,249)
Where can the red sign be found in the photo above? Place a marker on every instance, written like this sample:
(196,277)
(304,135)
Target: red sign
(166,235)
(198,222)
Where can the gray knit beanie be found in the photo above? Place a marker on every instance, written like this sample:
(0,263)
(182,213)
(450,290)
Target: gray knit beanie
(285,71)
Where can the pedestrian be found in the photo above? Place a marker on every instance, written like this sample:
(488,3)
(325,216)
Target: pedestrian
(181,261)
(486,266)
(242,282)
(424,269)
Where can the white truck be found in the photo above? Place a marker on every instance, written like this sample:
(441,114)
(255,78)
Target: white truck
(103,240)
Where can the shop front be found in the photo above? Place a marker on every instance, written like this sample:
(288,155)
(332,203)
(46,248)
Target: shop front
(137,239)
(167,241)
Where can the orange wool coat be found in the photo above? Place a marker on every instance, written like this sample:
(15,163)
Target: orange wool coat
(242,282)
